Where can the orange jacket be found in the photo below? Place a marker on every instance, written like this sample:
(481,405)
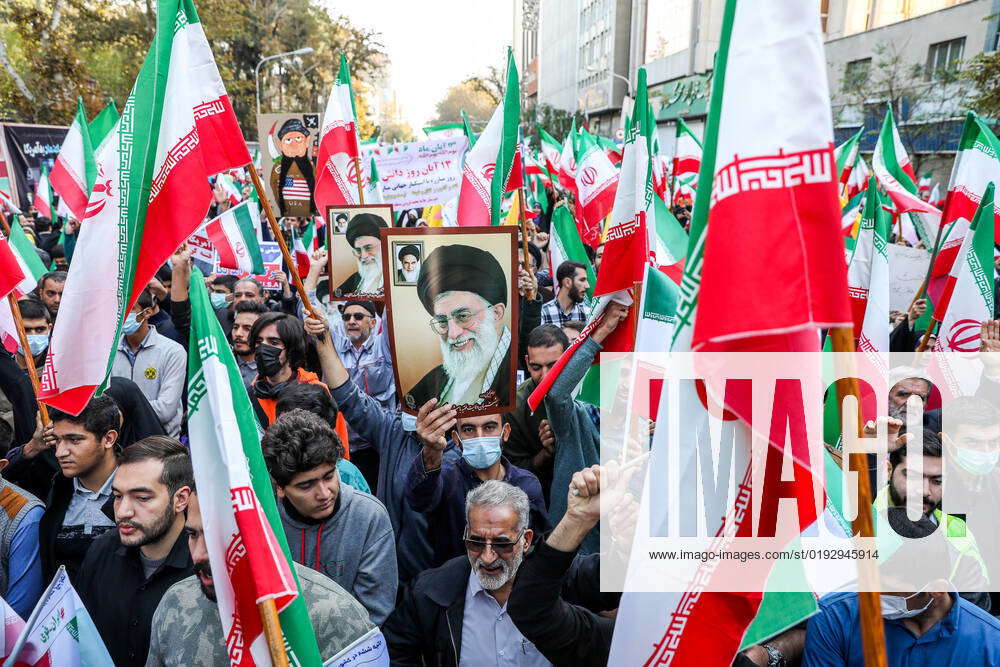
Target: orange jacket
(270,406)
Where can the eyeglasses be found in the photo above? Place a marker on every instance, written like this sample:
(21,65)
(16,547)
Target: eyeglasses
(368,248)
(502,548)
(357,316)
(460,317)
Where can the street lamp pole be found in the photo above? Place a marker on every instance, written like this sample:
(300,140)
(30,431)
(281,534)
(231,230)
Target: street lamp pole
(256,71)
(628,82)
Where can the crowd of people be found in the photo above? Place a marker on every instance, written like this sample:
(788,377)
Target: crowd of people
(467,540)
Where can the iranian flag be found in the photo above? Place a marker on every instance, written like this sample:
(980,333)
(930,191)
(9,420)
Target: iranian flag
(868,275)
(74,171)
(967,301)
(30,263)
(596,183)
(550,150)
(43,200)
(234,236)
(11,274)
(152,192)
(446,131)
(533,169)
(924,184)
(668,242)
(687,157)
(373,185)
(977,164)
(7,204)
(469,134)
(302,247)
(847,155)
(59,631)
(337,161)
(230,187)
(101,126)
(894,171)
(660,185)
(12,627)
(565,245)
(567,161)
(493,165)
(246,543)
(793,221)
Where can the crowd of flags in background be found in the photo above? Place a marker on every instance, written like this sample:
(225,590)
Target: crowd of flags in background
(760,267)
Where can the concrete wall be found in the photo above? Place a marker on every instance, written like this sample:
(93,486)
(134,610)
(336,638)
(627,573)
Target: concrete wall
(558,31)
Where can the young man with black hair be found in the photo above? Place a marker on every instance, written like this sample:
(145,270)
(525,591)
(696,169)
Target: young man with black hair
(154,362)
(278,342)
(245,314)
(80,504)
(50,289)
(127,571)
(333,528)
(38,325)
(572,283)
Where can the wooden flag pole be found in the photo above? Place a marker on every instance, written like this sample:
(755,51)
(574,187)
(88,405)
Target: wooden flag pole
(272,631)
(29,360)
(361,192)
(869,607)
(279,237)
(524,242)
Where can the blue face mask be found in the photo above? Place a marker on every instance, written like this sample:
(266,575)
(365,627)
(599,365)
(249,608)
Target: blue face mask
(977,461)
(409,421)
(481,453)
(36,343)
(218,299)
(131,324)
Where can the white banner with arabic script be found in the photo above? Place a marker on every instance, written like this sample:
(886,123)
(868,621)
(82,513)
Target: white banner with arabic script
(420,173)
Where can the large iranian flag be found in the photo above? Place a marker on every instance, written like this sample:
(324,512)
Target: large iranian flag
(43,201)
(492,165)
(551,150)
(793,222)
(152,191)
(337,160)
(74,172)
(977,164)
(895,173)
(246,543)
(596,183)
(967,301)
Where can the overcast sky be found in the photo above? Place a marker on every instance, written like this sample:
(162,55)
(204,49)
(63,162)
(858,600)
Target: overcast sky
(433,45)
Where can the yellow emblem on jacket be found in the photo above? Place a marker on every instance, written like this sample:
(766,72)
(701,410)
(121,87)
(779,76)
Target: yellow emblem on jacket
(150,373)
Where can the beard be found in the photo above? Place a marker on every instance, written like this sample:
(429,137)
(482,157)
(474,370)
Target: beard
(575,295)
(469,363)
(371,275)
(898,412)
(508,569)
(147,534)
(205,568)
(411,276)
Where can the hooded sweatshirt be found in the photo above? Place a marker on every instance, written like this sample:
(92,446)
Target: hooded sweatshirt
(354,546)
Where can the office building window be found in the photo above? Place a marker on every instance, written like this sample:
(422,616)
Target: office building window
(856,73)
(945,56)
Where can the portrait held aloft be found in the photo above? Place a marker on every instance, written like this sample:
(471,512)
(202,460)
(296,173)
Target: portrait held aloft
(292,141)
(356,260)
(452,308)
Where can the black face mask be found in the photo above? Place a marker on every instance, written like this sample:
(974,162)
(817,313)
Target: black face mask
(268,358)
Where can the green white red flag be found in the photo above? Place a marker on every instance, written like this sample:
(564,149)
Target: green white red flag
(243,533)
(43,201)
(101,126)
(234,236)
(493,164)
(230,187)
(75,170)
(596,183)
(565,245)
(847,155)
(895,173)
(967,301)
(7,204)
(339,151)
(687,160)
(567,160)
(27,259)
(373,185)
(868,279)
(152,192)
(551,149)
(11,274)
(59,631)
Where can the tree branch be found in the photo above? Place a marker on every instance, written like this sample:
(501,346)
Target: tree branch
(9,66)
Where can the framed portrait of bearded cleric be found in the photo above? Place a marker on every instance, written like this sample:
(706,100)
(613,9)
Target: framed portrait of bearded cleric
(355,257)
(289,143)
(451,296)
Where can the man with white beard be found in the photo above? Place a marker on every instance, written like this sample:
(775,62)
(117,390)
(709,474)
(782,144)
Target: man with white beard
(409,264)
(457,613)
(362,236)
(465,290)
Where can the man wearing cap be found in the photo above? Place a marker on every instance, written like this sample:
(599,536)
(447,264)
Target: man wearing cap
(464,289)
(292,179)
(409,260)
(362,236)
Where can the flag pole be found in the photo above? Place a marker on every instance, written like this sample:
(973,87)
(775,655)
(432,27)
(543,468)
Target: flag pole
(922,292)
(22,337)
(272,631)
(279,237)
(869,606)
(357,168)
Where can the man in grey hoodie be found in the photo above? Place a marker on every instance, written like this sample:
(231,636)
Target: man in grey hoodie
(331,527)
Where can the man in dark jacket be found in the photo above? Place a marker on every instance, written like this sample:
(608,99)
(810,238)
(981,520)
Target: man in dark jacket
(438,489)
(457,613)
(127,571)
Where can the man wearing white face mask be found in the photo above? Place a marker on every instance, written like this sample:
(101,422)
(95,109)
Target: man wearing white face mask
(38,326)
(155,363)
(925,622)
(438,488)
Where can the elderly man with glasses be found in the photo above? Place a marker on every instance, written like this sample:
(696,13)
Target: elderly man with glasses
(456,614)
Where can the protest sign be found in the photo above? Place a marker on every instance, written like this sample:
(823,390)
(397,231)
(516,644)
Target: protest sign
(271,254)
(289,143)
(420,173)
(356,253)
(907,270)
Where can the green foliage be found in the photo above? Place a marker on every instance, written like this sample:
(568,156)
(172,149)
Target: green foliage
(983,72)
(60,49)
(554,121)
